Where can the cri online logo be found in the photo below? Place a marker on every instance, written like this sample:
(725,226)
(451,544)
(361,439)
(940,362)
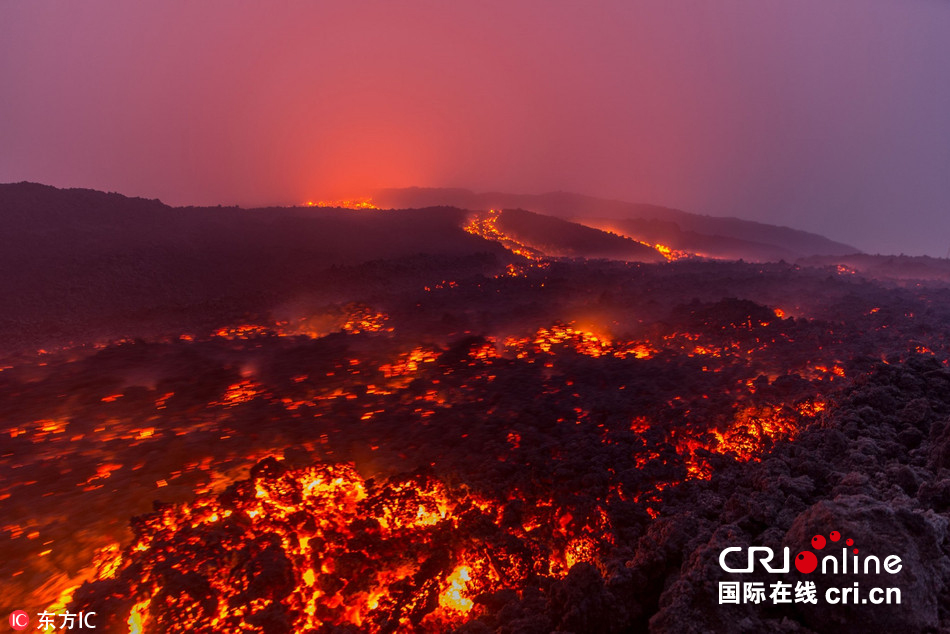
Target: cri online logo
(19,620)
(806,561)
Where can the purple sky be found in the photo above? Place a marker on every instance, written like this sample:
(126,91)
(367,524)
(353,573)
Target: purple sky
(826,115)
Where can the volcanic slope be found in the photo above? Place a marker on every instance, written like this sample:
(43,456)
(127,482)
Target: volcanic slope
(723,238)
(81,264)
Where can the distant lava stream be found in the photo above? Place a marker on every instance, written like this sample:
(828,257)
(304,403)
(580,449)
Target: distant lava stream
(532,235)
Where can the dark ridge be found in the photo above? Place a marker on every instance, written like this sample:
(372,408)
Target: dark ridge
(720,237)
(77,260)
(557,237)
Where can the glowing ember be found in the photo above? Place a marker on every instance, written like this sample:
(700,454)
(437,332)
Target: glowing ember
(364,319)
(546,340)
(138,616)
(453,597)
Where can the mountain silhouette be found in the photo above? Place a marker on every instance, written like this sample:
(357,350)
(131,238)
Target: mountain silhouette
(708,236)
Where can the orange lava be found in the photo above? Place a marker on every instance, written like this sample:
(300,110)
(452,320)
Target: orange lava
(322,546)
(350,203)
(485,225)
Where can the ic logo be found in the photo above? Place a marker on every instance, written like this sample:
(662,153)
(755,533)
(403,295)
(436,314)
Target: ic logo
(19,620)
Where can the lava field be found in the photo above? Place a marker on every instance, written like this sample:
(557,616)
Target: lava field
(537,445)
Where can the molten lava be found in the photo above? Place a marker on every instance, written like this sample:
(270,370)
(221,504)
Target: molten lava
(350,203)
(485,225)
(545,448)
(671,254)
(323,546)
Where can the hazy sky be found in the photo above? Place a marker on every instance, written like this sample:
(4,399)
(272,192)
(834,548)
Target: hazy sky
(826,115)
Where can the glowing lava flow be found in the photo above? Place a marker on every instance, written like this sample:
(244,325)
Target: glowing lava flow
(351,203)
(321,546)
(670,254)
(381,395)
(486,226)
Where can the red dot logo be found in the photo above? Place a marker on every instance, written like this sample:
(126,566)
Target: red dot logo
(849,542)
(818,542)
(19,620)
(806,562)
(835,536)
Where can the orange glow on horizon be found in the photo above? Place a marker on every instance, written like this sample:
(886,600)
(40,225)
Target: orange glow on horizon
(346,203)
